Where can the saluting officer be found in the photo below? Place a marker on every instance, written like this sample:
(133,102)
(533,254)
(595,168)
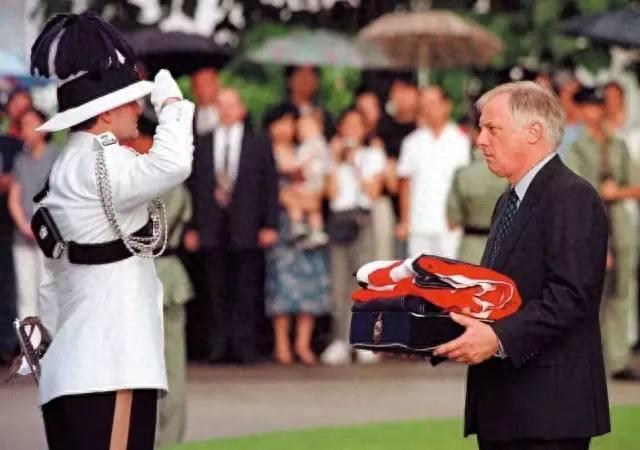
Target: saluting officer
(101,376)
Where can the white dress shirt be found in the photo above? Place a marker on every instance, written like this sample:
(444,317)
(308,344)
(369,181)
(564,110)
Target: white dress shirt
(108,334)
(429,162)
(521,188)
(231,137)
(523,184)
(207,119)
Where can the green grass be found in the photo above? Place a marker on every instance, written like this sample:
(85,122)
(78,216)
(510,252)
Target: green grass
(411,435)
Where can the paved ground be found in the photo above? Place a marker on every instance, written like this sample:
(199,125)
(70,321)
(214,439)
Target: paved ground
(233,401)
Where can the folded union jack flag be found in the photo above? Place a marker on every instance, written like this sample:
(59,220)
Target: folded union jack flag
(452,286)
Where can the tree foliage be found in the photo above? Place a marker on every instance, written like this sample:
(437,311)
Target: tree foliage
(528,28)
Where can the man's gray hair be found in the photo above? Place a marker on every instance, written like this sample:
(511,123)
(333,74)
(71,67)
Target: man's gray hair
(529,102)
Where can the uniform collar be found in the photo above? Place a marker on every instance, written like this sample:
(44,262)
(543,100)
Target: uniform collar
(85,139)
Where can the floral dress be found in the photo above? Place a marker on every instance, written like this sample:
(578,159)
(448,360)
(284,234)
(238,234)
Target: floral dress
(297,280)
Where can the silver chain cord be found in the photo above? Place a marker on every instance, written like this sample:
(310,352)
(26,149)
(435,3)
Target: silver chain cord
(143,247)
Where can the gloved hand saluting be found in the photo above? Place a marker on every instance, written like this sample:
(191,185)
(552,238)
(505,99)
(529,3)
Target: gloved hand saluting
(165,89)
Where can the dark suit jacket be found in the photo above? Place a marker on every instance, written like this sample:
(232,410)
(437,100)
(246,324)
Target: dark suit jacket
(552,384)
(254,201)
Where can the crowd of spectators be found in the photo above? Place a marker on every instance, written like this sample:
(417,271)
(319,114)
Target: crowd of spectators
(280,213)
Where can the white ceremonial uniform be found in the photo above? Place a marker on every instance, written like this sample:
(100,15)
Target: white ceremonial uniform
(108,335)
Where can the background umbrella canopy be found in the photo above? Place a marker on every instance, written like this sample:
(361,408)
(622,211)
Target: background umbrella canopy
(620,27)
(432,39)
(319,48)
(11,67)
(181,53)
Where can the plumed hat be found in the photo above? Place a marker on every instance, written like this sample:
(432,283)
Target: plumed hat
(93,65)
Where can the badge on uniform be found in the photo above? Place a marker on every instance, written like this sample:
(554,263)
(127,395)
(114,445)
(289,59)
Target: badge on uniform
(107,139)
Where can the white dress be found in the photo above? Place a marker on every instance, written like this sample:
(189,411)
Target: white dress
(108,334)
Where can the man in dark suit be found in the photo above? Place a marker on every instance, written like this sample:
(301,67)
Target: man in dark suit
(537,378)
(235,192)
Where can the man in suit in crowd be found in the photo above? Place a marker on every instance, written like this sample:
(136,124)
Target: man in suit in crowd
(235,193)
(205,85)
(537,378)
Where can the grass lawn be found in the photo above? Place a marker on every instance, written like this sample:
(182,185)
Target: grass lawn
(412,435)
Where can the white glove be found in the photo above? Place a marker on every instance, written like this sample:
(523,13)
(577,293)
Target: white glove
(165,87)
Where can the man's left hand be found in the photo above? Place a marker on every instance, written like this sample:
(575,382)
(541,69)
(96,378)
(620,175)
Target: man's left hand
(267,237)
(477,344)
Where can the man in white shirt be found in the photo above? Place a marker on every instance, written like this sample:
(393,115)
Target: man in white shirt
(429,158)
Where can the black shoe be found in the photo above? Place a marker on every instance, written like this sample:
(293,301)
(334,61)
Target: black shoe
(627,374)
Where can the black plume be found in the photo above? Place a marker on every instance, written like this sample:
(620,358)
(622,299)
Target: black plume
(40,48)
(88,43)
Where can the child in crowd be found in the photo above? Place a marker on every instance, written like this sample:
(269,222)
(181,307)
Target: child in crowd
(302,195)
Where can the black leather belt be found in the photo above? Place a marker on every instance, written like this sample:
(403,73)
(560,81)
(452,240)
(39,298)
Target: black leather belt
(105,252)
(477,231)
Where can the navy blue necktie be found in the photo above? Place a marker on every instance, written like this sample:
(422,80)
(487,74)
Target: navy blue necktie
(506,219)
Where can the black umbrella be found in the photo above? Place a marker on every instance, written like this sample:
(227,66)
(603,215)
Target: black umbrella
(618,27)
(181,53)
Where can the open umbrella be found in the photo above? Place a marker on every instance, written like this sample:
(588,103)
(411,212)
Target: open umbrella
(181,53)
(319,48)
(619,27)
(432,39)
(12,67)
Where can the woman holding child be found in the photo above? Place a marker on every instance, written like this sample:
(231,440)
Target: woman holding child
(297,269)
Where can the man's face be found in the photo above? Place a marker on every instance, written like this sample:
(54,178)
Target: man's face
(503,144)
(230,107)
(404,97)
(124,120)
(304,82)
(434,107)
(205,85)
